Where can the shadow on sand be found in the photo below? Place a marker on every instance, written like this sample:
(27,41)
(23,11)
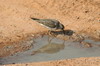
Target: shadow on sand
(67,32)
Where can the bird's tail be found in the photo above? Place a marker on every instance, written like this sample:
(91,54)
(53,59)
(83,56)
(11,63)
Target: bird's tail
(34,18)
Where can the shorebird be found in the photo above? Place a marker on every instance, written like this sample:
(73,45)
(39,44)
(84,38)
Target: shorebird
(51,24)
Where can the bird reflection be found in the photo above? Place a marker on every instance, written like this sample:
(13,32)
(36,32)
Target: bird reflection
(50,48)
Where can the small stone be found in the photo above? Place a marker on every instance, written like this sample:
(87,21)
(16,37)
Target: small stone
(86,11)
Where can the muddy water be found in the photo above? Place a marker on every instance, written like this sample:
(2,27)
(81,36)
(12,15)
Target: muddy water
(54,50)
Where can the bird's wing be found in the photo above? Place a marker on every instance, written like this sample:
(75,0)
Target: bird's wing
(48,22)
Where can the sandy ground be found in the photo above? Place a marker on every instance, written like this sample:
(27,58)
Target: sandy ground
(81,16)
(70,62)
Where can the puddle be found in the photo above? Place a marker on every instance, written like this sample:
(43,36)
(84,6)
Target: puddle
(56,50)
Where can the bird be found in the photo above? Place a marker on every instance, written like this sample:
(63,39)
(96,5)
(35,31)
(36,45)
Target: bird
(51,24)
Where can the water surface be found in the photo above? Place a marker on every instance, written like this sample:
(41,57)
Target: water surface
(55,50)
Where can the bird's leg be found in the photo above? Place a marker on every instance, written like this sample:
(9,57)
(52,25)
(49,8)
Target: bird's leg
(49,32)
(63,36)
(50,39)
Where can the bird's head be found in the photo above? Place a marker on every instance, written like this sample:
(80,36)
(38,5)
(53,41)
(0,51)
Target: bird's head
(61,26)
